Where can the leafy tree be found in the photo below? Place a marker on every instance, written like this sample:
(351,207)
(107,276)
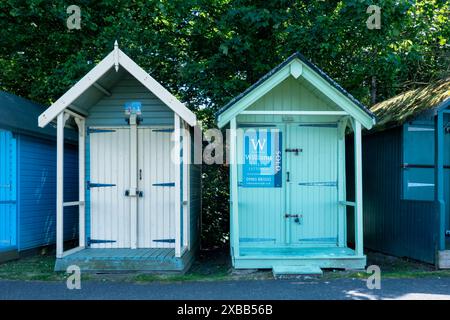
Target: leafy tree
(208,51)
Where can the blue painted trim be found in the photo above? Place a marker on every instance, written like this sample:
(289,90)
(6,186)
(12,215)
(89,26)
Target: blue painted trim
(16,239)
(168,184)
(90,241)
(163,130)
(99,130)
(319,184)
(319,239)
(90,185)
(165,240)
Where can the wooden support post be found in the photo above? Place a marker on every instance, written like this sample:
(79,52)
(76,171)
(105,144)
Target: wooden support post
(61,121)
(177,156)
(342,215)
(439,177)
(186,184)
(81,123)
(133,181)
(234,187)
(359,245)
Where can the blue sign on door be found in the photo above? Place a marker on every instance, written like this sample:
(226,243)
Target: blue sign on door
(262,166)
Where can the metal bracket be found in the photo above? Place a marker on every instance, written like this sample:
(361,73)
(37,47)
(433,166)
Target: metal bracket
(139,194)
(90,241)
(296,150)
(90,185)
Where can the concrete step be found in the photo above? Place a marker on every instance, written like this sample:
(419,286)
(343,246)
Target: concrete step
(444,259)
(289,271)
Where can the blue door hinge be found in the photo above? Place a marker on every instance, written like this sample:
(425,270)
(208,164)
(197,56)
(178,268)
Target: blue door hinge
(90,185)
(168,184)
(165,240)
(91,241)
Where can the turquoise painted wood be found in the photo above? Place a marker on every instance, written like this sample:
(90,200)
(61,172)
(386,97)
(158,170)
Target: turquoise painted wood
(299,219)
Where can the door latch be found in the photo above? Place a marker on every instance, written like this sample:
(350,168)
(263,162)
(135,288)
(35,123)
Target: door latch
(295,150)
(139,194)
(287,215)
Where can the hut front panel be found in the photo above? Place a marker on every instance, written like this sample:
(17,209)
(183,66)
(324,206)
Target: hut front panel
(156,208)
(109,170)
(109,110)
(312,189)
(7,190)
(261,209)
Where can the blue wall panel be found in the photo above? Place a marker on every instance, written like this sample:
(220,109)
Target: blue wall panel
(37,194)
(7,189)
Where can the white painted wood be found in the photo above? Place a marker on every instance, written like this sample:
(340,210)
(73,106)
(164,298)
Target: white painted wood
(297,113)
(115,58)
(296,69)
(74,92)
(157,89)
(73,203)
(176,159)
(110,208)
(359,245)
(81,123)
(133,181)
(72,251)
(156,208)
(234,186)
(60,185)
(342,215)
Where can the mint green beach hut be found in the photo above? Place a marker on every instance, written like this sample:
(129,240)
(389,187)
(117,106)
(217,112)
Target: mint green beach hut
(287,172)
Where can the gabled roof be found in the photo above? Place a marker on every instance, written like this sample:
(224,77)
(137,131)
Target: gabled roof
(294,66)
(408,105)
(117,58)
(19,115)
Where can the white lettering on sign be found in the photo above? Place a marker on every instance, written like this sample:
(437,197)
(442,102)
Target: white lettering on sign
(259,143)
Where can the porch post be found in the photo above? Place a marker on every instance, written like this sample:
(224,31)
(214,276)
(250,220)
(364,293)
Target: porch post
(186,183)
(342,221)
(359,245)
(61,120)
(81,123)
(439,176)
(176,159)
(234,187)
(133,181)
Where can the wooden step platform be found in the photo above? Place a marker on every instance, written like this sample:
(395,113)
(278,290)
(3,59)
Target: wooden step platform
(289,271)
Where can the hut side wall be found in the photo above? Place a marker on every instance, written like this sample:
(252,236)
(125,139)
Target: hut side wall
(37,190)
(404,228)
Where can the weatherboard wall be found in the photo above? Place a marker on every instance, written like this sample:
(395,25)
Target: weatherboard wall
(37,189)
(392,224)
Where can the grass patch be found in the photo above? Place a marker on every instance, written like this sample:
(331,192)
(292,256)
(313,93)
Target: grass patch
(213,265)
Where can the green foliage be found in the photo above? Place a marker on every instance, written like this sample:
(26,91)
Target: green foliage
(208,51)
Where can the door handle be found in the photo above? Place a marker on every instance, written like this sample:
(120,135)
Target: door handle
(287,215)
(295,150)
(288,176)
(140,174)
